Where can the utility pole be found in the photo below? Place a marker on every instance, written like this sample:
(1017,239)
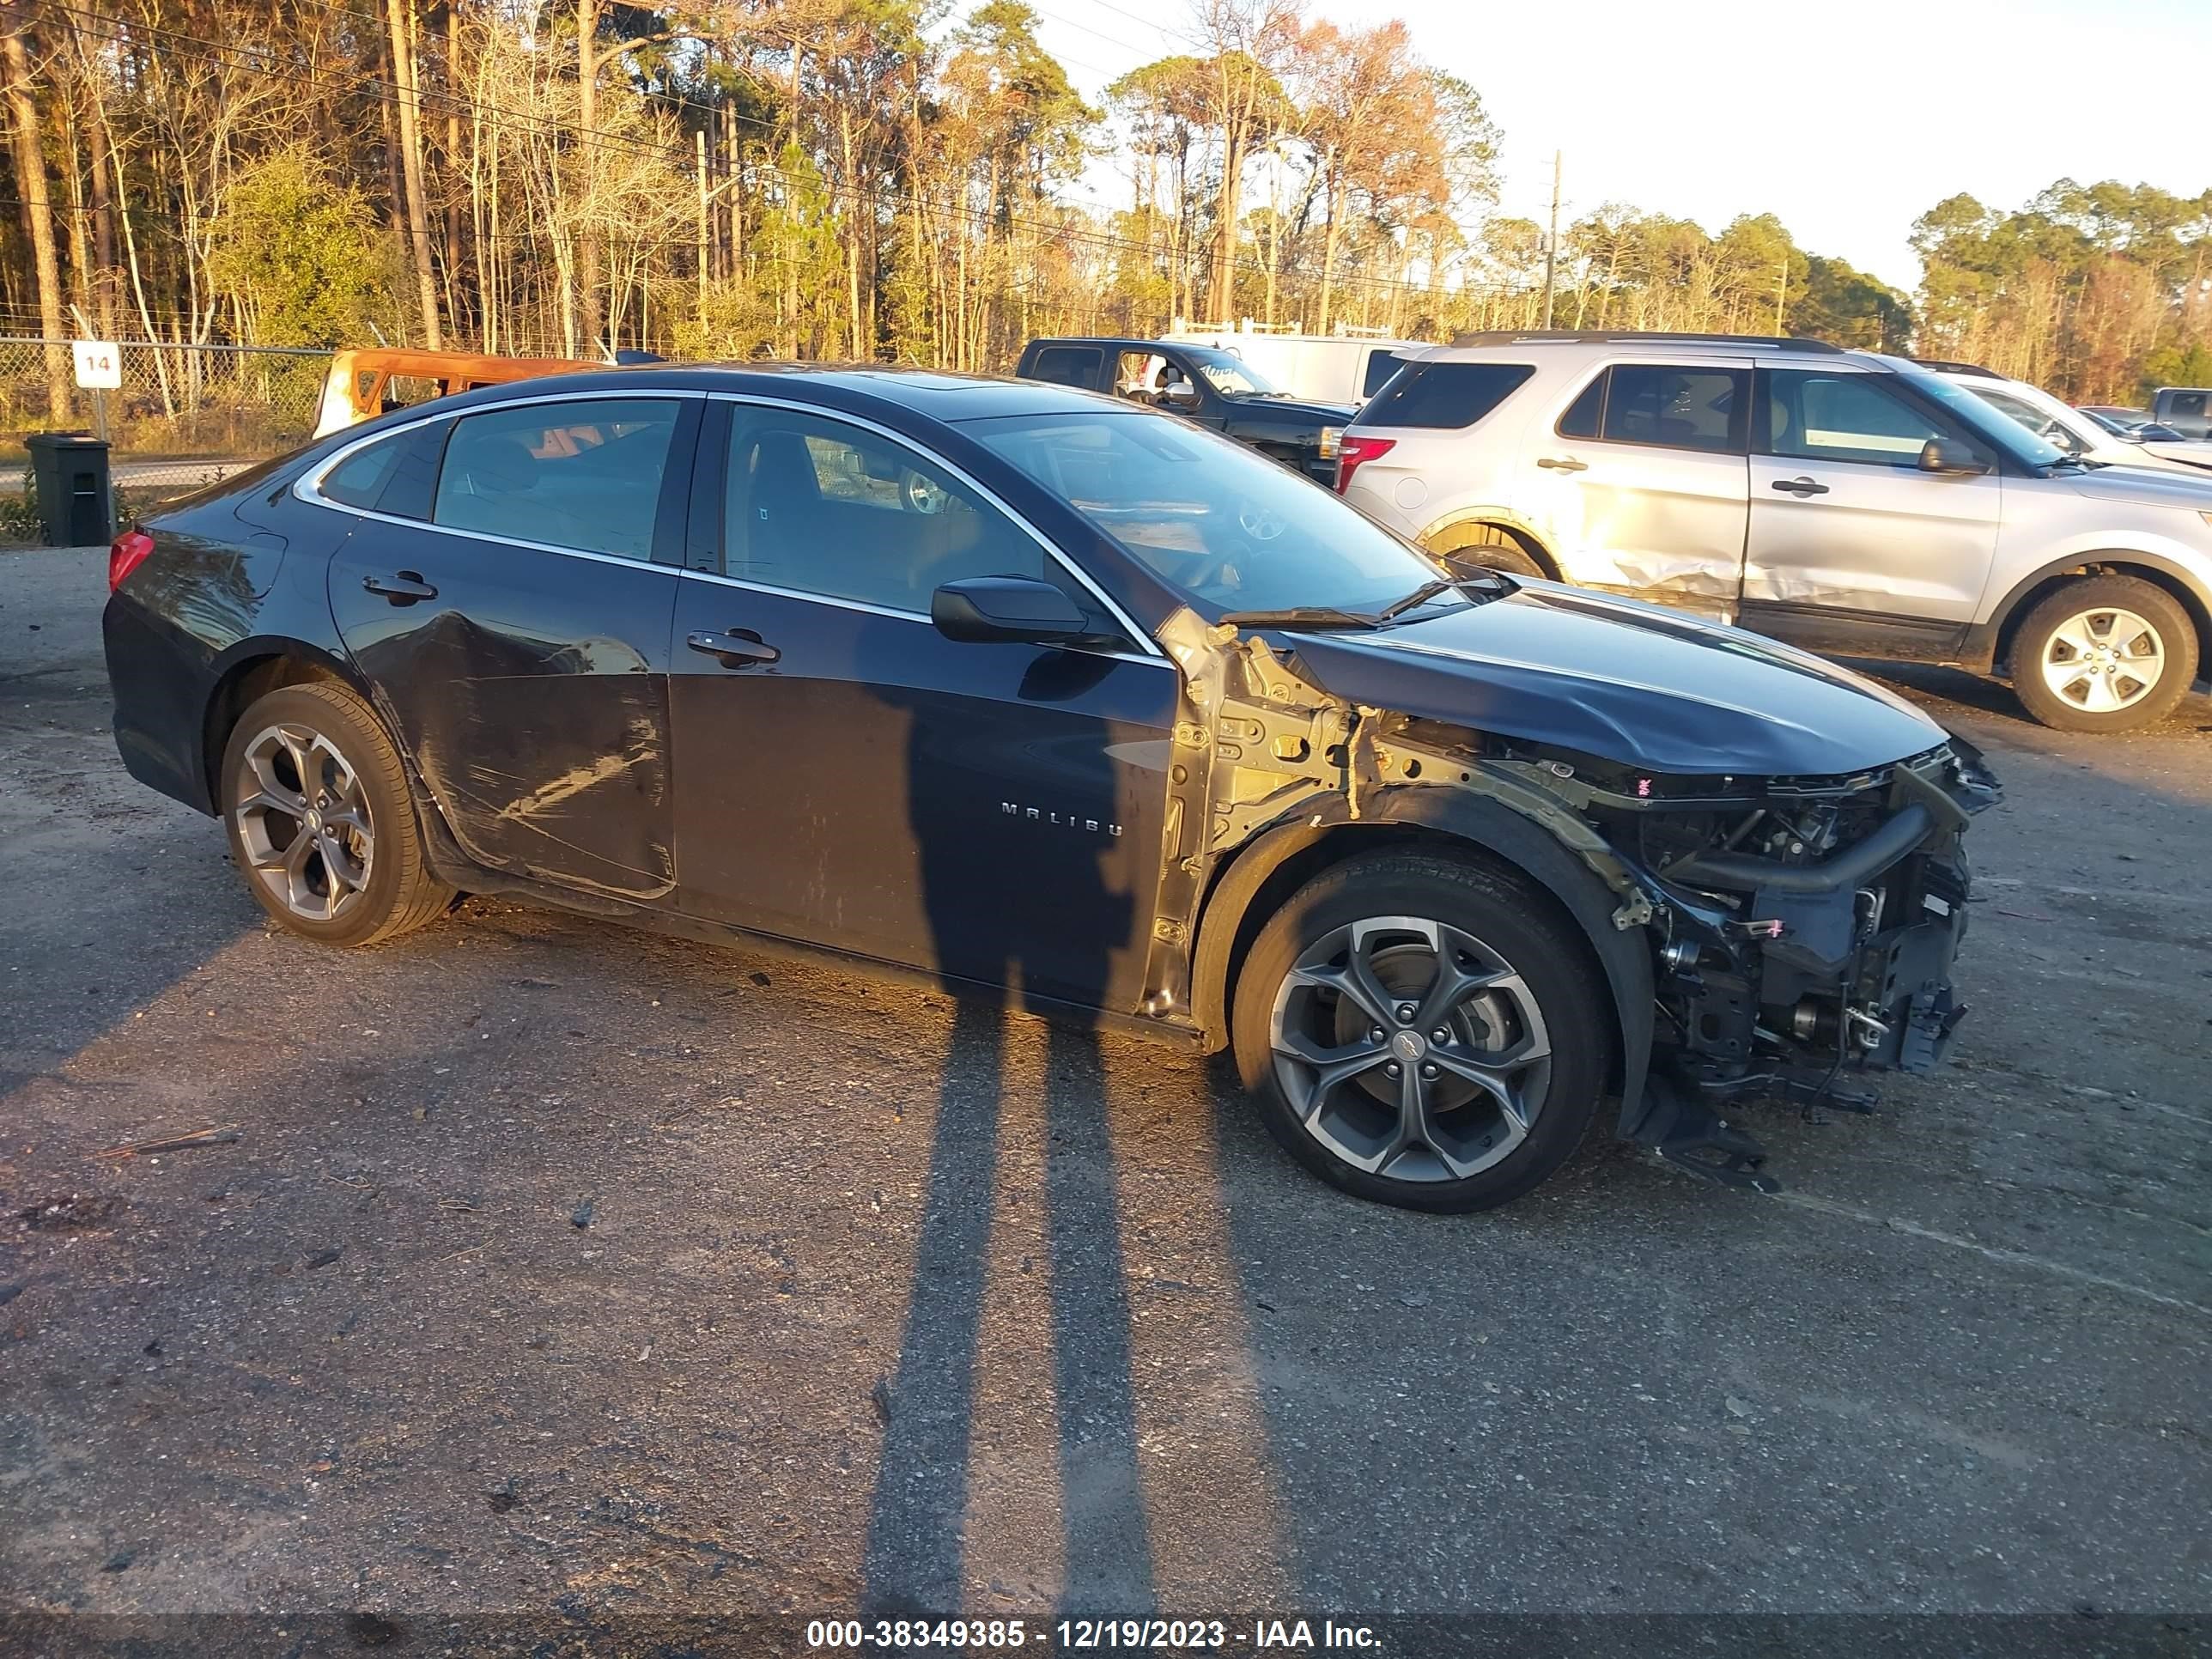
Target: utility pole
(1551,243)
(706,223)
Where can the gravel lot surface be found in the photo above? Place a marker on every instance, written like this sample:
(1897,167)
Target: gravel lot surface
(558,1268)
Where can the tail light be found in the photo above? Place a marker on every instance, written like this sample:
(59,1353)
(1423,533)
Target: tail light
(1352,452)
(126,553)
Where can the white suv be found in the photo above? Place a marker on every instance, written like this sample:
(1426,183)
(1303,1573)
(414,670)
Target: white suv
(2076,431)
(1854,503)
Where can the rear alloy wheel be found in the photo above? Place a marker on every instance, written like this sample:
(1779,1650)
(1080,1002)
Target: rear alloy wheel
(1424,1032)
(316,804)
(2104,655)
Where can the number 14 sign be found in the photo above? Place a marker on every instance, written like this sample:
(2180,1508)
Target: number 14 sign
(99,365)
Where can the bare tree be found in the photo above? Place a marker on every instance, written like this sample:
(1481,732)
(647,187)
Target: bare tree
(400,14)
(30,157)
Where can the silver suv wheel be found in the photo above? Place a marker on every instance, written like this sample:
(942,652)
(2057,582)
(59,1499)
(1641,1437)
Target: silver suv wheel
(2103,659)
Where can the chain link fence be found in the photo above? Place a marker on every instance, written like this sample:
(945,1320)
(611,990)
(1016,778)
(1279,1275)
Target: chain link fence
(186,415)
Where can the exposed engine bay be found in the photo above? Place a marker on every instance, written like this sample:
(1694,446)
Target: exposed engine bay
(1799,929)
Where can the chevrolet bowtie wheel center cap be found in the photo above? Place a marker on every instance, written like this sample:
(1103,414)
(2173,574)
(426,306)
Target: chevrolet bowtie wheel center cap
(1409,1046)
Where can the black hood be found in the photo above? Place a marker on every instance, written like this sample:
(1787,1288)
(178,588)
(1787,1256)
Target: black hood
(1320,414)
(1623,680)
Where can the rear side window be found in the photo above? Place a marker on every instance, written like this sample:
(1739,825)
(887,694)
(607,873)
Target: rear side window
(585,475)
(1676,408)
(1380,366)
(1068,365)
(1664,407)
(1443,394)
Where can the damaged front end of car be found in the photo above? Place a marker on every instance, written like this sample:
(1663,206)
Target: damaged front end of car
(1803,929)
(1764,936)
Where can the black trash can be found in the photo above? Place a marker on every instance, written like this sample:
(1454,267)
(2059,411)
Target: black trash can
(76,503)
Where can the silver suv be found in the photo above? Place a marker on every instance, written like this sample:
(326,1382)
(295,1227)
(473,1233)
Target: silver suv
(1850,503)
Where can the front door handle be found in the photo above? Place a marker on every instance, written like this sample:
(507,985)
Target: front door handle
(738,648)
(1800,488)
(1563,463)
(404,588)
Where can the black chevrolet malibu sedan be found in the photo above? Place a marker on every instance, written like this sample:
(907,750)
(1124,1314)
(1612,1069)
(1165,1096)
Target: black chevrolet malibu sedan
(1014,686)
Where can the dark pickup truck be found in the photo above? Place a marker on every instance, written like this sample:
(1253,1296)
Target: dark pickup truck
(1212,387)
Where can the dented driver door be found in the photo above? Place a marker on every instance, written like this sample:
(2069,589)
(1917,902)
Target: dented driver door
(1641,485)
(1853,547)
(513,623)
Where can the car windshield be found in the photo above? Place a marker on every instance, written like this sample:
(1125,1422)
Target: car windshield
(1994,427)
(1232,377)
(1225,525)
(2111,425)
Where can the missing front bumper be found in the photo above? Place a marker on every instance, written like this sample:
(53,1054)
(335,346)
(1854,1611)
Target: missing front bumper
(1805,978)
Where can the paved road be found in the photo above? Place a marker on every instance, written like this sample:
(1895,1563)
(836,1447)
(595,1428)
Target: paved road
(556,1267)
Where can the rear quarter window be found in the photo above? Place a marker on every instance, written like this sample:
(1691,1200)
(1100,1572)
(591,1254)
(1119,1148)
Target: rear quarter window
(1434,394)
(1380,366)
(1076,366)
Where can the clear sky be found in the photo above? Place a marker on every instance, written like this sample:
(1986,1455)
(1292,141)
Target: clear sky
(1846,119)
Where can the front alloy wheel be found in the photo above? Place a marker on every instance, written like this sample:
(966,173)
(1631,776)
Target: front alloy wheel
(1424,1030)
(1410,1049)
(2104,653)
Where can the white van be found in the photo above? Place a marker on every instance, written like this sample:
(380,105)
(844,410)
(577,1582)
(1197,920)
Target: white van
(1346,367)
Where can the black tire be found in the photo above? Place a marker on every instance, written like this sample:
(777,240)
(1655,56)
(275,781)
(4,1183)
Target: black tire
(397,891)
(1515,925)
(2038,643)
(1488,548)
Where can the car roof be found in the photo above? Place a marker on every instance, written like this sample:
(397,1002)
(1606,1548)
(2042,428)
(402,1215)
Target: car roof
(858,388)
(1488,345)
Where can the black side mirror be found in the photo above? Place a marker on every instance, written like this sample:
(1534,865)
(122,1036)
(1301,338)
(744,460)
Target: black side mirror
(978,610)
(1949,455)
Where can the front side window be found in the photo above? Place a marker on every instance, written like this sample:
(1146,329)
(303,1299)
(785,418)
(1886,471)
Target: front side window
(818,506)
(1223,524)
(1442,394)
(1817,415)
(2044,424)
(1143,376)
(585,475)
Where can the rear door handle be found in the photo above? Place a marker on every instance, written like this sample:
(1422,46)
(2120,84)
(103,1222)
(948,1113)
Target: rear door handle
(1563,463)
(1800,488)
(404,588)
(736,649)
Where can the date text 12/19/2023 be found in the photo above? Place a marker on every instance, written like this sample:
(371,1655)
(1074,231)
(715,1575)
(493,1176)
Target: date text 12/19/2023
(1079,1635)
